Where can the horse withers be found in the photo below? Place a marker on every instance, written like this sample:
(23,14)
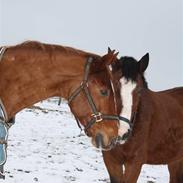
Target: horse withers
(33,71)
(155,131)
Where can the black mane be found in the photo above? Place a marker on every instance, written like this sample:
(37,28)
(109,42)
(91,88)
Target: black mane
(130,69)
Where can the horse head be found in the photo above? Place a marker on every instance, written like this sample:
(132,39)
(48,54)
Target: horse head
(96,98)
(129,79)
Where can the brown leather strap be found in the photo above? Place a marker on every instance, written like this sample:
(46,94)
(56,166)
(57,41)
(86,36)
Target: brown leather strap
(2,51)
(5,116)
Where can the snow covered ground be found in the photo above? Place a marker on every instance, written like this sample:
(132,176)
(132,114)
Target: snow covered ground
(45,146)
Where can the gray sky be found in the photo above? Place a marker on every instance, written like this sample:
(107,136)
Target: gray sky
(132,27)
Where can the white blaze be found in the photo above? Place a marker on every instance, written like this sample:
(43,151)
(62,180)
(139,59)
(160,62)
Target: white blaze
(110,67)
(127,88)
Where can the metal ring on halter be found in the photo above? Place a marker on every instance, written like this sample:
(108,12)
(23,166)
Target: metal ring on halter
(98,117)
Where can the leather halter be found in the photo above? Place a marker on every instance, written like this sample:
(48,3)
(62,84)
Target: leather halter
(96,116)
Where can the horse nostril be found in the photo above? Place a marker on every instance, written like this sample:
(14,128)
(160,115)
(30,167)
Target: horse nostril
(99,140)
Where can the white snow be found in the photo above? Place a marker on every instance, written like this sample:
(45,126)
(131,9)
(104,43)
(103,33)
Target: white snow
(46,146)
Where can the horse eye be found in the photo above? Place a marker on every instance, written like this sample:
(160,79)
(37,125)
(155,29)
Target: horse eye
(104,92)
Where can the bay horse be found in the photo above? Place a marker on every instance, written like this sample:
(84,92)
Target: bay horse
(34,71)
(154,121)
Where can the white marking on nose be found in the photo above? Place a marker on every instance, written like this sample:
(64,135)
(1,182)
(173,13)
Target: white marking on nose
(127,88)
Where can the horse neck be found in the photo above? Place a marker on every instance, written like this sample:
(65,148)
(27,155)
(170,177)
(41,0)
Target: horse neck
(26,80)
(142,111)
(144,106)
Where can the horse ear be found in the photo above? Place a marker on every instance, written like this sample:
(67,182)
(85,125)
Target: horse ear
(143,63)
(109,57)
(109,50)
(116,54)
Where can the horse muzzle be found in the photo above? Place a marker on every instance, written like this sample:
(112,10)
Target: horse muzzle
(101,142)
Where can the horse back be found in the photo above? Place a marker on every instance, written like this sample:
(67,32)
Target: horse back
(166,126)
(174,93)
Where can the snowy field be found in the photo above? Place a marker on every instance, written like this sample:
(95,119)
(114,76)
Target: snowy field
(45,146)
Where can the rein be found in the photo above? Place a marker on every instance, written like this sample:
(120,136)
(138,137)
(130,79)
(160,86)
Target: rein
(96,116)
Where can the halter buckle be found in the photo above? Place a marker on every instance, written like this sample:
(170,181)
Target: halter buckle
(98,117)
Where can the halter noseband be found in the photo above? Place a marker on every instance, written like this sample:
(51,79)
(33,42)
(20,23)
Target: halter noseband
(96,117)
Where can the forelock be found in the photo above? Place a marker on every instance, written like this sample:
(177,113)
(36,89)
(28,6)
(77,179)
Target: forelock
(129,67)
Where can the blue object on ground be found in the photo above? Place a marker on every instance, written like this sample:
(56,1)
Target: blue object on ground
(3,142)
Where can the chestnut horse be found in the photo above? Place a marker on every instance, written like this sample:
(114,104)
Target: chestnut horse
(154,121)
(33,71)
